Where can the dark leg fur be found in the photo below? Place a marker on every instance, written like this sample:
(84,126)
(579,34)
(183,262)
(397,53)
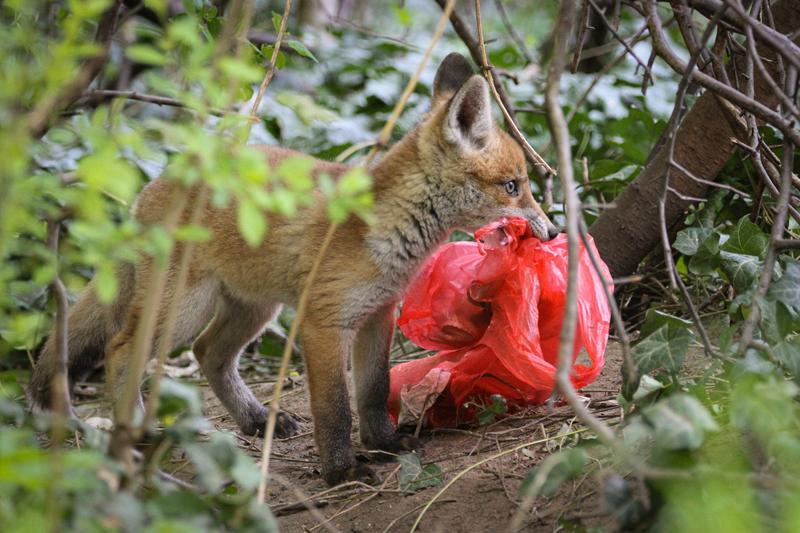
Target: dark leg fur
(371,375)
(217,349)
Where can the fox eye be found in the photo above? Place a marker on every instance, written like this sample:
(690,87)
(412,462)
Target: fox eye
(511,187)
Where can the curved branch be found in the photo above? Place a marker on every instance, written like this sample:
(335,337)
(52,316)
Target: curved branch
(756,108)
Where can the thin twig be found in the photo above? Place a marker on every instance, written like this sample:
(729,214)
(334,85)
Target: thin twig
(648,77)
(274,405)
(306,502)
(168,329)
(39,118)
(386,132)
(778,226)
(272,60)
(560,133)
(512,32)
(493,83)
(482,462)
(726,91)
(141,97)
(465,34)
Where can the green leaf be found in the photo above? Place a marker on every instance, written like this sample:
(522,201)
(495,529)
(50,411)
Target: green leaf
(788,353)
(105,282)
(647,386)
(193,233)
(679,422)
(707,257)
(654,319)
(159,6)
(747,239)
(498,405)
(546,478)
(175,397)
(413,476)
(240,70)
(306,109)
(740,269)
(276,21)
(354,182)
(301,49)
(146,54)
(296,173)
(688,240)
(787,289)
(664,348)
(252,222)
(403,15)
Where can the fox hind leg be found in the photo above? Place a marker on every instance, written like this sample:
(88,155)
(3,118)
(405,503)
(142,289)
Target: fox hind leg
(233,327)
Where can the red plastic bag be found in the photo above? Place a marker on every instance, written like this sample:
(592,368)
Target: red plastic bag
(494,309)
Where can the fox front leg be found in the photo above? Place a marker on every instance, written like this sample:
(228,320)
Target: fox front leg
(324,348)
(371,376)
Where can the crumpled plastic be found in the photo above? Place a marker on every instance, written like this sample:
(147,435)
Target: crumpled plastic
(494,309)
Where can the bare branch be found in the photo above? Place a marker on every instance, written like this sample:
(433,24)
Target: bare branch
(648,77)
(272,60)
(757,108)
(512,32)
(778,228)
(540,166)
(488,72)
(38,120)
(141,97)
(558,127)
(59,388)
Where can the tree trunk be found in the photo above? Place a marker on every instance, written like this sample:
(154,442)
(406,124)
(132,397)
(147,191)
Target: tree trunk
(627,233)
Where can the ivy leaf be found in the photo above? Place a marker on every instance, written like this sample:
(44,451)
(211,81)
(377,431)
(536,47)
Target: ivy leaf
(545,479)
(747,239)
(788,353)
(707,258)
(688,240)
(301,49)
(741,269)
(654,319)
(787,289)
(679,422)
(413,476)
(664,348)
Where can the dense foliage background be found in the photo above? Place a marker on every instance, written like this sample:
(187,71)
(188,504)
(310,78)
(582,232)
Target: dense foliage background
(98,97)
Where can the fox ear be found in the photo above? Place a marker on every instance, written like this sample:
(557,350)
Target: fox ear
(454,71)
(468,123)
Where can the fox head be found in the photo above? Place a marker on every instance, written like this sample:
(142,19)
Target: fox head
(462,145)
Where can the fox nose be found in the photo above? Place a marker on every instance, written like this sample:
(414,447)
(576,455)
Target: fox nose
(552,231)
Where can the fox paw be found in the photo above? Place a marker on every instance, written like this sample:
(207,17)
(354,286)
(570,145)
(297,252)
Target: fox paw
(353,473)
(254,425)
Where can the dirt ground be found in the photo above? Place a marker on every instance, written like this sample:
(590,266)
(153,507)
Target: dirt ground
(484,498)
(482,467)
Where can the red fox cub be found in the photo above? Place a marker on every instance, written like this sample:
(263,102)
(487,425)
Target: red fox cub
(456,169)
